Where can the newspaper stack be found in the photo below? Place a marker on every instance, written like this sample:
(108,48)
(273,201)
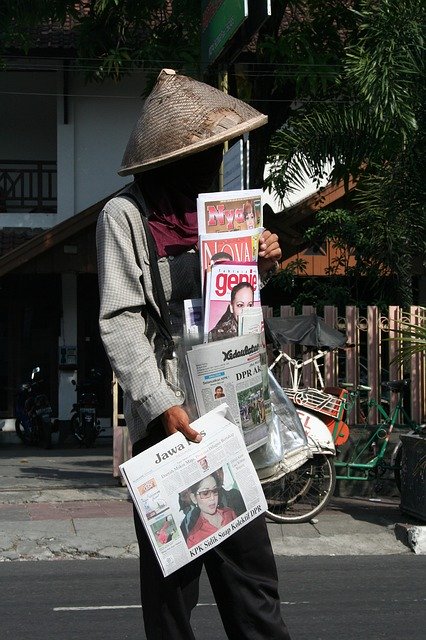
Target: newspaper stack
(226,352)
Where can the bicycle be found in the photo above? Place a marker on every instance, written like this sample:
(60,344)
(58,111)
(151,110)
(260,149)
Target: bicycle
(333,405)
(361,465)
(303,493)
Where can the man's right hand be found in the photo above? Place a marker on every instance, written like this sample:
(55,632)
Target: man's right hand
(176,419)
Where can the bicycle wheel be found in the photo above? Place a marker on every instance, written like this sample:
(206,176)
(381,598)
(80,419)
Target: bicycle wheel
(303,493)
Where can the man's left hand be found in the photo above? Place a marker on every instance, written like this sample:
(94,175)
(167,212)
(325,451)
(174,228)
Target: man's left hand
(269,251)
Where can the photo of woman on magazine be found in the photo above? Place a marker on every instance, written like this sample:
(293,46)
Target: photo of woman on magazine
(249,215)
(242,296)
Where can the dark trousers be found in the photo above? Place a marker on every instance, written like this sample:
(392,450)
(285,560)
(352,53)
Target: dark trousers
(242,574)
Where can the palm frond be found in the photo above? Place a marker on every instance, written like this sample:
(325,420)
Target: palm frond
(410,338)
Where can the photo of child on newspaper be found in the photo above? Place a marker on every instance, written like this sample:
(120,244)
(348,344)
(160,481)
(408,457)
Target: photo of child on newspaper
(208,507)
(164,530)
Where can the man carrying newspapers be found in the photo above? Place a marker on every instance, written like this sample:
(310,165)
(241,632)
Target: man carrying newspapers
(174,153)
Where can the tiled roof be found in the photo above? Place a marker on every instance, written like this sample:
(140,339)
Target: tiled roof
(51,36)
(54,35)
(12,237)
(42,240)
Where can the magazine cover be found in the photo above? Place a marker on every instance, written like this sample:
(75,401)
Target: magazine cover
(190,497)
(237,246)
(193,332)
(229,211)
(230,287)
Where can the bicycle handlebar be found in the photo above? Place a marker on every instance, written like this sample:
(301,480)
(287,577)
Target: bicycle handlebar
(360,387)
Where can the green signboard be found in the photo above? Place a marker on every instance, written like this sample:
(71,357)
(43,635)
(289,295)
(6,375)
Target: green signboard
(221,20)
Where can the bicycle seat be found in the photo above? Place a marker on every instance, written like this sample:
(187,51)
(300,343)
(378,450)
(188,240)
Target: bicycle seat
(396,385)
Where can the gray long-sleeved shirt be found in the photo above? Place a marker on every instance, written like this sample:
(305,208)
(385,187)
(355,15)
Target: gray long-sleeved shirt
(128,333)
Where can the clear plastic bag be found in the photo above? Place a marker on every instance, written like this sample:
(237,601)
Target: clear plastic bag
(287,446)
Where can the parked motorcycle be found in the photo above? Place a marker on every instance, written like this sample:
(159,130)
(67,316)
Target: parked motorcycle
(33,413)
(85,424)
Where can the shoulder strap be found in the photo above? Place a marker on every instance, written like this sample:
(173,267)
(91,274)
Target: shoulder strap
(162,318)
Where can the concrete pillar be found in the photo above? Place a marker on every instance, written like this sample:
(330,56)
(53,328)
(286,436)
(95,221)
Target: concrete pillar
(68,338)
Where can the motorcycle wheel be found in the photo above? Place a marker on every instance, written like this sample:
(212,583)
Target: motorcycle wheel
(300,495)
(44,429)
(75,429)
(20,431)
(89,434)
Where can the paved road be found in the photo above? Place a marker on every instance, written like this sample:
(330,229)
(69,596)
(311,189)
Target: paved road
(323,598)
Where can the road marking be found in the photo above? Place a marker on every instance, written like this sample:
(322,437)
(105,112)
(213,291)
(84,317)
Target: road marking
(138,606)
(99,608)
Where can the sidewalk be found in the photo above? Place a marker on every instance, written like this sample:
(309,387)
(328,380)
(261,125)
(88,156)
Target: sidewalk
(65,504)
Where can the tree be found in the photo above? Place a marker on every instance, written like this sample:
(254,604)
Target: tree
(110,37)
(341,81)
(297,51)
(374,131)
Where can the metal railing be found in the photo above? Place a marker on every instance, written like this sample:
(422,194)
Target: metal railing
(28,186)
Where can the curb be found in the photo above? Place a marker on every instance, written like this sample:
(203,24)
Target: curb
(413,537)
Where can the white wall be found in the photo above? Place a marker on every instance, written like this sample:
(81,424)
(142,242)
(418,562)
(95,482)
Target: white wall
(310,187)
(88,145)
(104,117)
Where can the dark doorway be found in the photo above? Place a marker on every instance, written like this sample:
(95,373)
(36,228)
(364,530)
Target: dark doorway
(30,309)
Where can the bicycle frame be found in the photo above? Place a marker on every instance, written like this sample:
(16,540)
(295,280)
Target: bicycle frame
(296,367)
(381,433)
(332,404)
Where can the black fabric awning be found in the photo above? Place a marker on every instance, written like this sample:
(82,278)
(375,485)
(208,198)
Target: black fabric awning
(310,331)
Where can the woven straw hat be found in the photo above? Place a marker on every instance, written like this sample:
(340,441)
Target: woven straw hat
(182,116)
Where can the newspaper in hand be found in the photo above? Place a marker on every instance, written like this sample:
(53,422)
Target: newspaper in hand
(229,211)
(190,497)
(234,371)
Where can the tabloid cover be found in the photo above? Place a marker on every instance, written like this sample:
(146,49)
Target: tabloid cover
(226,211)
(238,246)
(230,287)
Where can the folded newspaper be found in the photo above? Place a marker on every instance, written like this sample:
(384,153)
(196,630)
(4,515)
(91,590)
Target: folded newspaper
(190,497)
(234,371)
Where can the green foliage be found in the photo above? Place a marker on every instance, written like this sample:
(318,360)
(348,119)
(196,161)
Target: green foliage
(372,108)
(113,37)
(308,51)
(285,278)
(386,62)
(371,128)
(411,338)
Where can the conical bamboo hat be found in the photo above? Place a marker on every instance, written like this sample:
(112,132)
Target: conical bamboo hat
(182,116)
